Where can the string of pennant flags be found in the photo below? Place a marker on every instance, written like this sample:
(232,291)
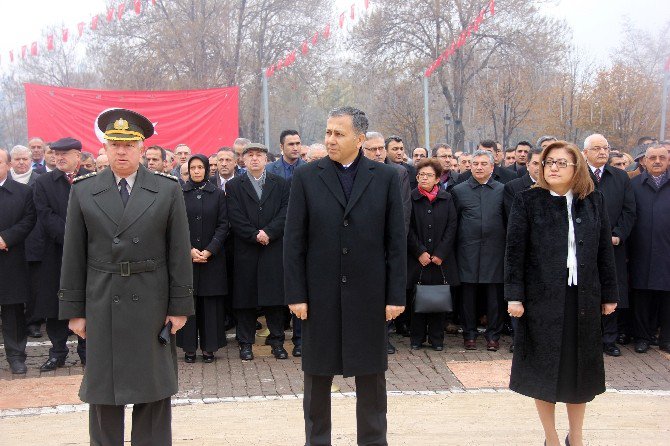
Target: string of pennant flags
(114,12)
(319,35)
(461,39)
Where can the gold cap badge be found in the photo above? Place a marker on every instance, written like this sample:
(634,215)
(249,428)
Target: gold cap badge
(120,124)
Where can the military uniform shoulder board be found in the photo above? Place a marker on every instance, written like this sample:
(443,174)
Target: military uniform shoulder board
(167,175)
(83,177)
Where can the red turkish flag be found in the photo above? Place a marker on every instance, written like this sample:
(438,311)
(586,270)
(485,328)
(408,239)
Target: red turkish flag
(204,119)
(80,28)
(50,42)
(110,14)
(326,32)
(66,34)
(94,22)
(121,10)
(138,7)
(304,48)
(342,20)
(33,49)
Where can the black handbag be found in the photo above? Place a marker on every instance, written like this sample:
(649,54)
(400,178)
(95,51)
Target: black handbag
(433,298)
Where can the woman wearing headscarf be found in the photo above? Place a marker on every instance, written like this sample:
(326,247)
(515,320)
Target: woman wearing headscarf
(208,226)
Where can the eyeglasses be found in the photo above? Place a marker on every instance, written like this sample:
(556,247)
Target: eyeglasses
(425,175)
(599,148)
(562,164)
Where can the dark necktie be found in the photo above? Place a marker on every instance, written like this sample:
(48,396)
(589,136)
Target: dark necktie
(597,174)
(123,190)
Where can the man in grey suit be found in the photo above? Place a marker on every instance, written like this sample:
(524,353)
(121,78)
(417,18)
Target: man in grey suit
(127,273)
(345,269)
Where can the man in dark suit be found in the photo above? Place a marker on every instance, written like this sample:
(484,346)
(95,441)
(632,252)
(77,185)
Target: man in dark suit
(290,144)
(526,181)
(226,160)
(500,174)
(649,262)
(37,151)
(16,221)
(345,264)
(521,154)
(127,273)
(444,154)
(257,202)
(52,192)
(395,150)
(620,202)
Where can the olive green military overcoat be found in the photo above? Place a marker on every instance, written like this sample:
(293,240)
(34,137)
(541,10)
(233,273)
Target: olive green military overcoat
(125,270)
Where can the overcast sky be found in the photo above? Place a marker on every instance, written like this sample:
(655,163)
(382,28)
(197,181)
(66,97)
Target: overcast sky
(596,24)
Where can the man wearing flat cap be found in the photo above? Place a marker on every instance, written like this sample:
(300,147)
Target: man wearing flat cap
(51,194)
(126,274)
(257,202)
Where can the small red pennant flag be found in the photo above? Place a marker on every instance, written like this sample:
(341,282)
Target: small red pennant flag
(367,4)
(279,64)
(492,6)
(33,49)
(342,20)
(80,28)
(138,7)
(11,55)
(121,10)
(66,34)
(94,22)
(667,65)
(353,11)
(326,32)
(304,48)
(50,42)
(23,52)
(110,14)
(153,2)
(315,38)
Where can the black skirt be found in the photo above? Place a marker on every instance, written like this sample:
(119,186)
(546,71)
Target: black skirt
(567,386)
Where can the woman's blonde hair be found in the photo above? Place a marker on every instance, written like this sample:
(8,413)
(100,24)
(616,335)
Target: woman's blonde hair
(582,184)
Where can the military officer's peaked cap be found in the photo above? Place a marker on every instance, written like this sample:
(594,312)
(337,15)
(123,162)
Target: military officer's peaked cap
(255,146)
(120,124)
(65,144)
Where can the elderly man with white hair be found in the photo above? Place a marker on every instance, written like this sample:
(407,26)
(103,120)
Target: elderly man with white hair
(620,202)
(316,152)
(21,165)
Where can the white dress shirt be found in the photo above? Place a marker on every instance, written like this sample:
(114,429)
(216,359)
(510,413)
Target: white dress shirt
(572,245)
(130,180)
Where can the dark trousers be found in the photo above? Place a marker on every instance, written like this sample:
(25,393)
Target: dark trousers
(152,424)
(14,331)
(494,310)
(207,325)
(297,331)
(427,324)
(610,327)
(34,277)
(370,410)
(652,309)
(58,333)
(624,321)
(246,325)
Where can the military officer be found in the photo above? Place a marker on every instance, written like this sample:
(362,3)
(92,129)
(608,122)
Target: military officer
(126,274)
(51,195)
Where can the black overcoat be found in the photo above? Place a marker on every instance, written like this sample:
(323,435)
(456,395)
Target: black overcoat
(51,195)
(35,241)
(480,240)
(620,204)
(649,262)
(259,276)
(514,187)
(208,226)
(536,275)
(347,261)
(432,230)
(17,219)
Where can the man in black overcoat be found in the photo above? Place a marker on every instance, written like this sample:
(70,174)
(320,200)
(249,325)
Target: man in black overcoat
(524,182)
(395,150)
(51,195)
(620,202)
(16,221)
(345,265)
(500,174)
(257,202)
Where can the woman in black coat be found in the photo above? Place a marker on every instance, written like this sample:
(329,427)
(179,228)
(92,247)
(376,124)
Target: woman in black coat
(559,277)
(208,226)
(430,248)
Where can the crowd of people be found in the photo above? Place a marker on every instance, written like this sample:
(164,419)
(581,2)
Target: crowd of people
(477,222)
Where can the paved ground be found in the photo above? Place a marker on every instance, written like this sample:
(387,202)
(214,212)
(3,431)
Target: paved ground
(457,396)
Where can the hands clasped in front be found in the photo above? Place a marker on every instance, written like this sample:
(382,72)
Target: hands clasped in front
(198,256)
(300,311)
(425,259)
(516,310)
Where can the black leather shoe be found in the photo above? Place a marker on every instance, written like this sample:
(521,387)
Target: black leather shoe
(415,346)
(390,348)
(664,347)
(623,339)
(189,358)
(654,341)
(33,331)
(297,351)
(246,354)
(279,352)
(18,367)
(641,346)
(207,358)
(52,364)
(611,350)
(438,348)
